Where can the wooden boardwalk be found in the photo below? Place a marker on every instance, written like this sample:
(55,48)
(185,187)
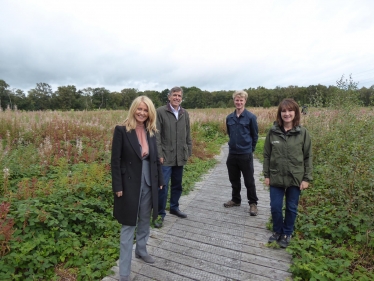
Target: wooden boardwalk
(214,242)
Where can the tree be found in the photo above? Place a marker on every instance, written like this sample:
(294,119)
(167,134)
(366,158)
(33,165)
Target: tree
(128,96)
(20,100)
(100,97)
(346,93)
(4,94)
(164,96)
(115,100)
(40,97)
(87,94)
(154,96)
(67,98)
(266,103)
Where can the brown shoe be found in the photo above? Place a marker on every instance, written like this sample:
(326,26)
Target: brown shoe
(253,209)
(230,204)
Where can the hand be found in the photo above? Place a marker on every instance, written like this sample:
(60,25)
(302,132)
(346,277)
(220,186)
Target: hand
(119,193)
(304,185)
(162,160)
(267,181)
(161,186)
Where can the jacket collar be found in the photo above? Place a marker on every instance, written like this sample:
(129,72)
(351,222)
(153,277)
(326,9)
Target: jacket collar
(135,142)
(168,108)
(276,128)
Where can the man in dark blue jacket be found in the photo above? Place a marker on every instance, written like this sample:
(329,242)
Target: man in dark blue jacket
(243,133)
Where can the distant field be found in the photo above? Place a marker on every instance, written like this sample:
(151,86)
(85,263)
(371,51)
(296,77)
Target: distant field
(56,199)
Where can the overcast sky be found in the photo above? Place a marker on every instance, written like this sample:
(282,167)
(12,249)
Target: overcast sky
(213,45)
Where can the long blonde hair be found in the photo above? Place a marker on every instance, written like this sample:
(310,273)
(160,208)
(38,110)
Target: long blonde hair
(150,123)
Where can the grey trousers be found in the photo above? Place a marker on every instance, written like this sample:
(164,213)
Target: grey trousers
(142,232)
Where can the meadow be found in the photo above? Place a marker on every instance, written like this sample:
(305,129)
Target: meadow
(56,200)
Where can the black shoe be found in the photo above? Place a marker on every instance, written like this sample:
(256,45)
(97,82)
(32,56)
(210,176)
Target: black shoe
(274,237)
(158,223)
(178,213)
(284,241)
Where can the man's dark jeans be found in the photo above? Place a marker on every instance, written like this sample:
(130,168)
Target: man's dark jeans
(238,164)
(175,173)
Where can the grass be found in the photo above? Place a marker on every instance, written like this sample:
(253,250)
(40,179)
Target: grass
(56,199)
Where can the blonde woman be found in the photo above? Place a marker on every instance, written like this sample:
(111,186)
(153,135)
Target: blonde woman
(136,177)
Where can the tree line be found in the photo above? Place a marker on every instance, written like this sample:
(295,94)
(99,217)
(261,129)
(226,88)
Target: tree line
(42,97)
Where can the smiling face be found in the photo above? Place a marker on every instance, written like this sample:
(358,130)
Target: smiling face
(239,103)
(141,113)
(287,117)
(175,99)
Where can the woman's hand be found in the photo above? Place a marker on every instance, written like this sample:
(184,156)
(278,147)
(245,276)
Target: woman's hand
(161,186)
(119,193)
(267,181)
(304,185)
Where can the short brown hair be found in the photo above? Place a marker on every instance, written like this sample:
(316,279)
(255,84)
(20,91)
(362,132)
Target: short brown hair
(291,105)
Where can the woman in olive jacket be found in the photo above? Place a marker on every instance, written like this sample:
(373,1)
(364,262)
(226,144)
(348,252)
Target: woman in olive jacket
(136,177)
(287,168)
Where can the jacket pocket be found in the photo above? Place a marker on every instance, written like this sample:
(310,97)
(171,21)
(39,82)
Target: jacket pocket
(274,177)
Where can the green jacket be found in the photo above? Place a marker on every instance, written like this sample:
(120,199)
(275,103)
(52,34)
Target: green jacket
(288,157)
(174,137)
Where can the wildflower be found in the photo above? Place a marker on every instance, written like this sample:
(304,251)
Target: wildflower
(79,146)
(6,173)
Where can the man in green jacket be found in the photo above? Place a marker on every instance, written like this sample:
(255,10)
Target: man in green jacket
(174,146)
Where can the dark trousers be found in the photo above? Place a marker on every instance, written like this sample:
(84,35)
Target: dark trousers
(284,225)
(175,174)
(238,164)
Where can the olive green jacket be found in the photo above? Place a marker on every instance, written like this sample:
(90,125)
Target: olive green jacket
(174,137)
(288,157)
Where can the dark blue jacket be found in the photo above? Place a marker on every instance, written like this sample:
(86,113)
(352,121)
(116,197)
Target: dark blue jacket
(243,132)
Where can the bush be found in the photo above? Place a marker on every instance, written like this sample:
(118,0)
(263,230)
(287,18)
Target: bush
(335,227)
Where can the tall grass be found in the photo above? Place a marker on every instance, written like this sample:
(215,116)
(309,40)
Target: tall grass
(56,199)
(335,226)
(55,191)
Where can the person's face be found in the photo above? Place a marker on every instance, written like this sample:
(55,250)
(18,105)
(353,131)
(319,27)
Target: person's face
(287,115)
(175,99)
(141,113)
(239,103)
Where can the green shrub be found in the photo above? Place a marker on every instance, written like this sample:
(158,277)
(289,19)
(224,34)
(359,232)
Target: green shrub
(335,226)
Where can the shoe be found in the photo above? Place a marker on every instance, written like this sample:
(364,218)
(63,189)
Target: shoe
(178,213)
(284,240)
(274,237)
(253,209)
(230,204)
(124,278)
(147,258)
(158,223)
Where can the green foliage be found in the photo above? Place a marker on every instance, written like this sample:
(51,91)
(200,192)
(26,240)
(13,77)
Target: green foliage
(334,237)
(59,216)
(266,103)
(68,97)
(259,152)
(72,225)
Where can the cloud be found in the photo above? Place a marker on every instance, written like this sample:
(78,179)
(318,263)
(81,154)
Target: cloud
(213,45)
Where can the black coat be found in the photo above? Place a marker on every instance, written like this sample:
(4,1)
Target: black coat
(127,171)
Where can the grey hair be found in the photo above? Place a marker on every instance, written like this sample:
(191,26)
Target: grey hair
(175,89)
